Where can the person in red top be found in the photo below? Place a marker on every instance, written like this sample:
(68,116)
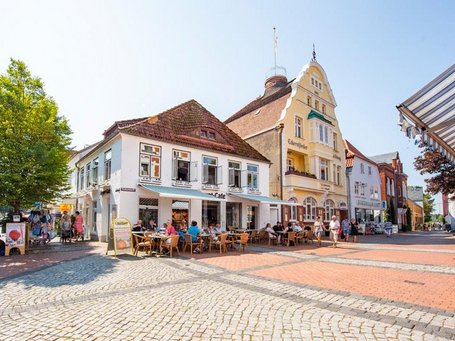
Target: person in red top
(78,226)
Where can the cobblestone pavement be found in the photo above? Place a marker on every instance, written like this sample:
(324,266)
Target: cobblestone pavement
(355,292)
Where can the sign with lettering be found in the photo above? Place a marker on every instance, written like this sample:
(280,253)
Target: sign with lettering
(367,203)
(297,144)
(326,187)
(120,236)
(218,195)
(127,189)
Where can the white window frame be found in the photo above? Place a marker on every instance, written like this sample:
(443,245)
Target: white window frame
(293,210)
(369,170)
(235,167)
(95,165)
(329,209)
(107,164)
(323,163)
(206,167)
(253,174)
(290,165)
(298,127)
(310,208)
(88,175)
(149,155)
(338,180)
(179,156)
(82,178)
(357,188)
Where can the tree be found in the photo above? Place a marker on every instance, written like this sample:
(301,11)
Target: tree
(34,141)
(434,163)
(428,206)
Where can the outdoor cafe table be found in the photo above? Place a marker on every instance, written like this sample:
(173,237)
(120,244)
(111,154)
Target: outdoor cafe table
(158,238)
(207,239)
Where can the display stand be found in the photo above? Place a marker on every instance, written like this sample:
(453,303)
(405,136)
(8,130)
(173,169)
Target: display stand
(120,237)
(16,238)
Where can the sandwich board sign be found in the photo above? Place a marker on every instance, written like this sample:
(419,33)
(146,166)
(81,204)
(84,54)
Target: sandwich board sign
(15,238)
(120,238)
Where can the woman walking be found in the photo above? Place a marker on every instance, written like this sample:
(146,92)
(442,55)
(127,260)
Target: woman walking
(318,229)
(78,226)
(354,229)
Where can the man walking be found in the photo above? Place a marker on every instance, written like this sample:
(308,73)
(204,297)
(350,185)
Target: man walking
(334,230)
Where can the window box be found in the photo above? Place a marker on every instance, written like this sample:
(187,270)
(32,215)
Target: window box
(299,173)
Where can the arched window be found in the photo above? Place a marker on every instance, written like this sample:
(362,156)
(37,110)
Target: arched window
(310,208)
(293,209)
(308,101)
(329,207)
(316,104)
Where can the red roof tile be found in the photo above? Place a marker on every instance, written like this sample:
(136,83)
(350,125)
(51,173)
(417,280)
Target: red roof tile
(352,152)
(182,124)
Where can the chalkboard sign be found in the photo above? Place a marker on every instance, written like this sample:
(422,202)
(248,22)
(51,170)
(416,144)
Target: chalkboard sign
(120,238)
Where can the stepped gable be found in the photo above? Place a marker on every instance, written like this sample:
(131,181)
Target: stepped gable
(261,102)
(182,124)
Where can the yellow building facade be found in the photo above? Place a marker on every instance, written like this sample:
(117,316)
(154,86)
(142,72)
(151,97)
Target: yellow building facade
(294,125)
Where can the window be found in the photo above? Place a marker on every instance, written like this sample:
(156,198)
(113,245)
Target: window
(324,168)
(234,174)
(181,165)
(329,207)
(203,134)
(150,161)
(323,108)
(357,188)
(371,192)
(362,168)
(392,187)
(211,171)
(369,170)
(298,127)
(308,101)
(316,104)
(81,178)
(310,209)
(293,209)
(335,141)
(211,135)
(326,134)
(404,190)
(321,133)
(312,81)
(252,176)
(376,192)
(107,164)
(338,181)
(87,178)
(290,165)
(362,189)
(387,186)
(95,171)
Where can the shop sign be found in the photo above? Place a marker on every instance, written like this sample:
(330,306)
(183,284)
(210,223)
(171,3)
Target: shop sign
(126,189)
(326,187)
(65,207)
(15,237)
(218,195)
(297,144)
(120,239)
(369,204)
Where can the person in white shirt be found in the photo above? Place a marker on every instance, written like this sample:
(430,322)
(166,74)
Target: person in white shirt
(334,230)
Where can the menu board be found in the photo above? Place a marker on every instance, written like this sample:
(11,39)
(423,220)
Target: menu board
(122,235)
(15,238)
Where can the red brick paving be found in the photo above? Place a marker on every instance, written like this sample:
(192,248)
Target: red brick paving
(239,261)
(431,258)
(422,288)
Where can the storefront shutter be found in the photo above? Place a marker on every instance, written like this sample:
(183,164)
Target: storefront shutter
(231,177)
(193,171)
(174,168)
(244,179)
(205,174)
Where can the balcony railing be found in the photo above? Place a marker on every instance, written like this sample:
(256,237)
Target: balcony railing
(299,173)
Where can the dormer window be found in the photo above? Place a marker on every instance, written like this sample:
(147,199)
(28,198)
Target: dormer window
(211,135)
(203,134)
(206,134)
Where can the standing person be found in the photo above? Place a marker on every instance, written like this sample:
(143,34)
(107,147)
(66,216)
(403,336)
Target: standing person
(65,227)
(318,229)
(78,226)
(346,228)
(388,229)
(354,229)
(334,230)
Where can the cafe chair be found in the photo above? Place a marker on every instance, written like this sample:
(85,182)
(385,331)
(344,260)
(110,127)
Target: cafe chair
(291,238)
(273,240)
(310,236)
(141,244)
(243,241)
(173,245)
(189,243)
(221,242)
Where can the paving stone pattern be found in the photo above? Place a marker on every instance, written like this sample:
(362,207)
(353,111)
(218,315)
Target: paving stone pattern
(213,297)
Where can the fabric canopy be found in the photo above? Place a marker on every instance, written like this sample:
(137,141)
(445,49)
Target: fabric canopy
(263,199)
(179,193)
(430,114)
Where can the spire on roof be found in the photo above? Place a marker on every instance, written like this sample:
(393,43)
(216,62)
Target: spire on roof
(314,54)
(276,76)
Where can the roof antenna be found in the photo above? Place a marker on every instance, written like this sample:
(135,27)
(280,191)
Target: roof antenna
(314,54)
(275,47)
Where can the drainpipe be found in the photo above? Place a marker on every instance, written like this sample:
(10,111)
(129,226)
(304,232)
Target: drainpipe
(280,127)
(77,187)
(348,184)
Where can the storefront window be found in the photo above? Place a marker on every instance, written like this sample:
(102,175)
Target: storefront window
(210,213)
(293,209)
(180,211)
(251,217)
(233,210)
(148,209)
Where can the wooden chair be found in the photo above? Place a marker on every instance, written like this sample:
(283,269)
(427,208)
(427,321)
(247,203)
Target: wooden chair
(291,238)
(143,243)
(189,243)
(272,239)
(299,237)
(310,236)
(262,235)
(221,242)
(173,245)
(254,236)
(243,241)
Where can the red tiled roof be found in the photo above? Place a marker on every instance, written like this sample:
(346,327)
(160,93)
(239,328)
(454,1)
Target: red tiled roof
(261,101)
(182,124)
(352,152)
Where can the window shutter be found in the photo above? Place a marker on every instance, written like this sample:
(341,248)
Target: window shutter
(193,171)
(205,174)
(231,177)
(219,175)
(244,178)
(174,168)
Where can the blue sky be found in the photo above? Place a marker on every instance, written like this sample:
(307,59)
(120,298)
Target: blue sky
(109,60)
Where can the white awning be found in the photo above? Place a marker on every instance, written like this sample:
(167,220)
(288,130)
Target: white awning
(430,114)
(264,200)
(179,193)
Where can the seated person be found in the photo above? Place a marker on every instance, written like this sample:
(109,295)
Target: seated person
(271,232)
(278,227)
(138,226)
(194,231)
(169,230)
(218,229)
(297,228)
(151,225)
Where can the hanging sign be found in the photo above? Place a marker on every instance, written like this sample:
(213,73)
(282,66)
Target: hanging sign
(15,238)
(121,238)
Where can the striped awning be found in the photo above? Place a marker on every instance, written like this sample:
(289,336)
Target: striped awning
(429,115)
